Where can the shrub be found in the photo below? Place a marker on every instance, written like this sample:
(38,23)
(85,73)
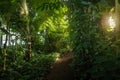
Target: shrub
(35,69)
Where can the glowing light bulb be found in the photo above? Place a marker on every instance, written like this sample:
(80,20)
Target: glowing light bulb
(111,22)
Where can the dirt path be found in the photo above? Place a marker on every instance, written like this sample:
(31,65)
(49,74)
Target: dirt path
(61,69)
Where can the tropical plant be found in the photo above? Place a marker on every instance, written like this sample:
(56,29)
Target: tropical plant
(92,45)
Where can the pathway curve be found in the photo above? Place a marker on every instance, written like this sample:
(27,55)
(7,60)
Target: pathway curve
(61,69)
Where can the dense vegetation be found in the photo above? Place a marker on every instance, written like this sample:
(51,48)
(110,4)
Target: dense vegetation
(34,32)
(96,48)
(32,35)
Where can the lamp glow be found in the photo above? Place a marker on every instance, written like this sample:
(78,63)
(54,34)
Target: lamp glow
(111,22)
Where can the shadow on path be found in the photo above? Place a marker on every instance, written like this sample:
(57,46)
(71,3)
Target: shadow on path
(61,70)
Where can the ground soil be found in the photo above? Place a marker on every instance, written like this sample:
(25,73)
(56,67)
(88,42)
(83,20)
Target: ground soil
(61,70)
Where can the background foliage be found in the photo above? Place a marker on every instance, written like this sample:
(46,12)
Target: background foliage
(94,48)
(43,28)
(31,29)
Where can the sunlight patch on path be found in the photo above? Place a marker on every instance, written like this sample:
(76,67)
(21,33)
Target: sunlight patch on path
(64,58)
(61,69)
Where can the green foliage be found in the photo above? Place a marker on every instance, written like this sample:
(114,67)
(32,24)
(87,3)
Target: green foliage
(51,5)
(36,69)
(55,33)
(105,68)
(95,51)
(40,21)
(45,23)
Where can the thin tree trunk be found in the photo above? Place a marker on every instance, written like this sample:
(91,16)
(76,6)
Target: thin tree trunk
(28,52)
(1,40)
(26,12)
(4,52)
(117,23)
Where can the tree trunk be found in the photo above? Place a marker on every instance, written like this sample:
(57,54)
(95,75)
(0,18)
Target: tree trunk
(117,10)
(1,39)
(26,12)
(4,52)
(28,51)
